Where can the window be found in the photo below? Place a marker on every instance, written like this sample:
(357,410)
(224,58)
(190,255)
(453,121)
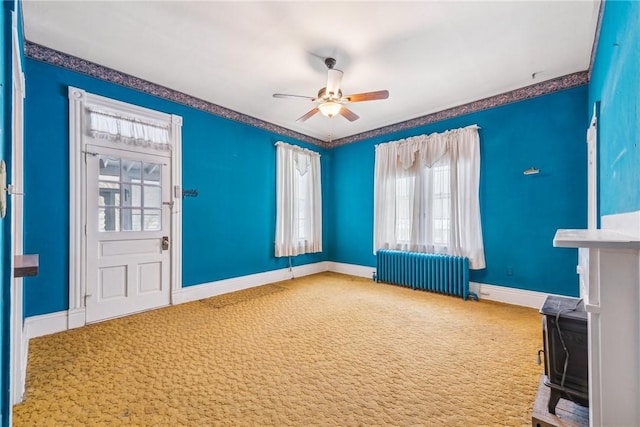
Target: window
(301,205)
(404,189)
(299,201)
(441,199)
(437,193)
(129,195)
(426,195)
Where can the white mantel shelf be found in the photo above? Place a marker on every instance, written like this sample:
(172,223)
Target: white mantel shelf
(594,239)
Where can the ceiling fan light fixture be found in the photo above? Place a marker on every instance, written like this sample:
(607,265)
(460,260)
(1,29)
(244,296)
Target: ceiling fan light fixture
(329,108)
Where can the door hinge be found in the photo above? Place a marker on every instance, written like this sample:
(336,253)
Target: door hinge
(85,229)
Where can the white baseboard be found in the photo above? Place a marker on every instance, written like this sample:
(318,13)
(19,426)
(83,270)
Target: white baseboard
(37,326)
(513,296)
(626,223)
(51,323)
(45,324)
(208,290)
(77,318)
(351,269)
(503,294)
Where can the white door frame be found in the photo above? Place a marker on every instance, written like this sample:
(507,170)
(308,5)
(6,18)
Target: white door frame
(79,100)
(592,171)
(18,361)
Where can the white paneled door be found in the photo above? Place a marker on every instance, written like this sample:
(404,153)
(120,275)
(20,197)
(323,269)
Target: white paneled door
(128,232)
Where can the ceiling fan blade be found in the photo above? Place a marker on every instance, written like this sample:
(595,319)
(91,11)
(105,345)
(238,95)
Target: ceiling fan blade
(283,95)
(309,114)
(367,96)
(348,114)
(333,82)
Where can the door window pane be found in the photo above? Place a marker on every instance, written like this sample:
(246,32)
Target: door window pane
(109,168)
(152,219)
(109,194)
(152,173)
(108,219)
(131,219)
(129,195)
(152,197)
(131,171)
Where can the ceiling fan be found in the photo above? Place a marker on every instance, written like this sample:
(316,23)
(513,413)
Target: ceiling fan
(330,100)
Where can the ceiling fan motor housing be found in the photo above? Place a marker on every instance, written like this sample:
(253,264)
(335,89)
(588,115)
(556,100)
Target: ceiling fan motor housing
(324,96)
(330,63)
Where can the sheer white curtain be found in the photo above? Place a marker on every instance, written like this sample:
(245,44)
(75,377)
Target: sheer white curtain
(128,130)
(426,195)
(298,201)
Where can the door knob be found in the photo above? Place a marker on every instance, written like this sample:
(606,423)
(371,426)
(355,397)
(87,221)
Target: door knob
(165,243)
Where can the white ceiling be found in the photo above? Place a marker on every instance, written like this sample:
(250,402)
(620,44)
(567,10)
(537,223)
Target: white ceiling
(430,55)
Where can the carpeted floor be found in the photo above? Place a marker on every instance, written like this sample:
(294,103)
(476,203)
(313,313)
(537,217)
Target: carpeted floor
(328,350)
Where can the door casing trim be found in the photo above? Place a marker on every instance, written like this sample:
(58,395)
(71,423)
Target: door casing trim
(79,99)
(18,358)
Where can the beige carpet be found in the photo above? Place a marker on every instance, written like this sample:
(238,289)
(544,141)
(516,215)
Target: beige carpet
(326,350)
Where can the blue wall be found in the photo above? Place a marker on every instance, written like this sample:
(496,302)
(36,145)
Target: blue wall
(520,214)
(615,82)
(228,230)
(232,165)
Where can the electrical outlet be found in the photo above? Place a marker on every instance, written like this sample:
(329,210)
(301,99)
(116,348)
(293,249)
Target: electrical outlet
(509,271)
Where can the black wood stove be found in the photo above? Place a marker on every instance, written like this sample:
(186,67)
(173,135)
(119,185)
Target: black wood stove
(564,331)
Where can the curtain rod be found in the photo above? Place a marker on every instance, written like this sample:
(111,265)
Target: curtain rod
(474,126)
(298,148)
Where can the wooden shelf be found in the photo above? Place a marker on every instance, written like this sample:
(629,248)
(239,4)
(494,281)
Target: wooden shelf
(25,265)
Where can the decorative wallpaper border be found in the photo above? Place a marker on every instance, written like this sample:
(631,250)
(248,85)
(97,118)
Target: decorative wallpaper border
(538,89)
(53,57)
